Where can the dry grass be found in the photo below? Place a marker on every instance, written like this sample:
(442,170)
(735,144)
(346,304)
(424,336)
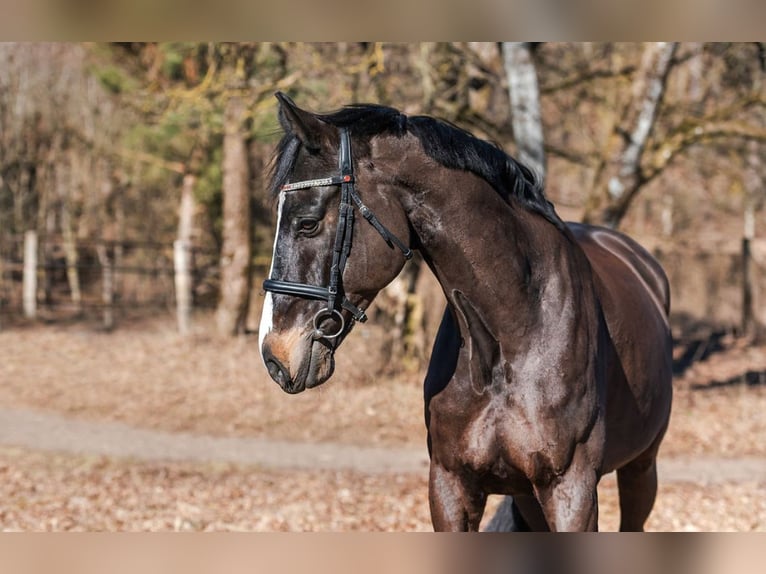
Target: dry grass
(145,375)
(44,492)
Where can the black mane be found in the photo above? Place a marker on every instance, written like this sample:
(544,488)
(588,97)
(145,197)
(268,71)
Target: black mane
(444,142)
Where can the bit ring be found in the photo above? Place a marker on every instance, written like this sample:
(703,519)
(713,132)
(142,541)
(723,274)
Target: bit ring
(324,314)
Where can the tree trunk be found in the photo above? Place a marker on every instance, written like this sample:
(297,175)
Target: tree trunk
(618,177)
(752,314)
(525,105)
(46,215)
(118,205)
(423,65)
(236,250)
(64,185)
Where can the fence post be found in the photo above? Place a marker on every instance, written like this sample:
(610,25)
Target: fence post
(182,255)
(29,284)
(183,284)
(2,283)
(748,317)
(107,285)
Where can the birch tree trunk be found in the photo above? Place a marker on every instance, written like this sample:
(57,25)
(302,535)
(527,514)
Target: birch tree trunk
(64,183)
(618,176)
(236,251)
(524,92)
(423,64)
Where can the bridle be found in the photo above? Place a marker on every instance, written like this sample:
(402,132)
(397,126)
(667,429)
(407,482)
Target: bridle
(333,293)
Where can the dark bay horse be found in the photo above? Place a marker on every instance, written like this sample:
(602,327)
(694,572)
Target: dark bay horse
(552,365)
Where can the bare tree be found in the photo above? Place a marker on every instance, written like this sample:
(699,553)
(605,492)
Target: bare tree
(236,252)
(619,176)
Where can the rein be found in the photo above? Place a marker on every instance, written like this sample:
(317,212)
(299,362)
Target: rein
(341,247)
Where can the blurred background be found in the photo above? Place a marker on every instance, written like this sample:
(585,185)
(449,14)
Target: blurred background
(136,229)
(111,154)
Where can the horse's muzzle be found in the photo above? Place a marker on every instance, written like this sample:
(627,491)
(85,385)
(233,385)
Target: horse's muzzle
(303,364)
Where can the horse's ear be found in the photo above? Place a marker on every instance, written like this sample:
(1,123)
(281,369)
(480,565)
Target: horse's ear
(305,125)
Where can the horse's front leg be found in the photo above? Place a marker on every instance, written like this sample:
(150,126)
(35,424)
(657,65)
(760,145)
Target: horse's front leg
(456,505)
(570,501)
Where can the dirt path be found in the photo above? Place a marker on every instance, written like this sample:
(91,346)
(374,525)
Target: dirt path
(47,431)
(51,432)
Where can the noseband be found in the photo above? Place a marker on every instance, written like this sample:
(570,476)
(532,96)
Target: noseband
(341,247)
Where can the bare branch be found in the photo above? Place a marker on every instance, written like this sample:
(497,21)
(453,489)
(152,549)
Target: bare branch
(143,157)
(701,133)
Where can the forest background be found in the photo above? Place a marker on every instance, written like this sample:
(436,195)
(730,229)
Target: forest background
(114,153)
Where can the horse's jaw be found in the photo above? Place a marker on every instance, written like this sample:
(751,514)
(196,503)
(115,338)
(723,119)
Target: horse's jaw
(321,365)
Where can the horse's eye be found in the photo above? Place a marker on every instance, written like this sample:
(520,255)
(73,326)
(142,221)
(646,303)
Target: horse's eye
(308,226)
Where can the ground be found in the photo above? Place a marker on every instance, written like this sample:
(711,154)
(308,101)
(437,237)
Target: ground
(87,415)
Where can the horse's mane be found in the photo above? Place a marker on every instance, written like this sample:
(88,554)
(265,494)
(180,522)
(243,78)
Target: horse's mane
(444,142)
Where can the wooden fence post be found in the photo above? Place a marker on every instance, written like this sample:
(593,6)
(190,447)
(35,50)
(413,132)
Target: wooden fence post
(747,289)
(29,284)
(182,255)
(107,285)
(183,284)
(2,283)
(748,315)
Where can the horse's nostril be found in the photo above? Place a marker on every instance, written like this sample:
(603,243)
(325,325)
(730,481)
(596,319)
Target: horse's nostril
(277,371)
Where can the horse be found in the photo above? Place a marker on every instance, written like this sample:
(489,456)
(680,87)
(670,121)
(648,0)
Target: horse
(552,364)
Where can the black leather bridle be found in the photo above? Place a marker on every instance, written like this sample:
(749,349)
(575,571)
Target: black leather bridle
(333,293)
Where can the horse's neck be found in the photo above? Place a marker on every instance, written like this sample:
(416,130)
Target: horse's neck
(514,267)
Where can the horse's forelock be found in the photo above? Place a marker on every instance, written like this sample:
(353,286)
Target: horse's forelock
(283,162)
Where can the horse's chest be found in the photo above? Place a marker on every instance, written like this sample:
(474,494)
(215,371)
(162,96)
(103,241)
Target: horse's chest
(497,439)
(470,436)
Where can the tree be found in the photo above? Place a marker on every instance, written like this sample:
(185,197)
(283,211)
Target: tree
(236,252)
(619,176)
(201,125)
(56,155)
(525,105)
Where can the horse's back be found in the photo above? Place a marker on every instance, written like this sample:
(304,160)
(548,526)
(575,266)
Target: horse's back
(610,250)
(635,297)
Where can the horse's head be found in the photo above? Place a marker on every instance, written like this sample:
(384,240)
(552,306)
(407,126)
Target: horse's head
(328,264)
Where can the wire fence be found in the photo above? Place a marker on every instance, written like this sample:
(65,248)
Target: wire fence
(51,278)
(716,284)
(721,284)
